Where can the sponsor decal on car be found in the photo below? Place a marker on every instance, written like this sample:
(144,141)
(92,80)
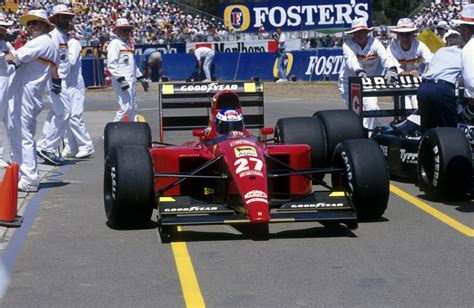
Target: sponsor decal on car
(242,142)
(213,86)
(257,200)
(255,193)
(243,151)
(316,205)
(468,131)
(408,158)
(192,209)
(384,149)
(248,166)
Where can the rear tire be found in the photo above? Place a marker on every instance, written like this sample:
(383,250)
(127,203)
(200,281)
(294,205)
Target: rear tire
(366,176)
(340,125)
(447,150)
(304,130)
(126,133)
(128,187)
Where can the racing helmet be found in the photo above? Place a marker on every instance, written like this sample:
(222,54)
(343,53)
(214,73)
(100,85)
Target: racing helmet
(228,120)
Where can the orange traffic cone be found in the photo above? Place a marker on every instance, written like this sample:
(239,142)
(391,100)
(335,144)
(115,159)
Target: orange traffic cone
(125,118)
(9,198)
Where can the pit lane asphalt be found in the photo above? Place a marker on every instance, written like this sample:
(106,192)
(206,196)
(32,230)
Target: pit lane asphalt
(64,255)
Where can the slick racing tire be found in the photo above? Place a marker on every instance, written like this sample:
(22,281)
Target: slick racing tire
(304,130)
(366,176)
(340,125)
(128,186)
(444,163)
(126,133)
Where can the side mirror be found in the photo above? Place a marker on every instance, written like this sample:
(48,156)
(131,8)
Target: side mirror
(267,131)
(199,132)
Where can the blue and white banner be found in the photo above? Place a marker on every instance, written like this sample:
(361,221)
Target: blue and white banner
(294,15)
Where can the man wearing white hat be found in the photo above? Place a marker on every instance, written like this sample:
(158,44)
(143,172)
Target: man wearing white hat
(362,55)
(411,55)
(466,23)
(35,63)
(60,112)
(5,48)
(441,29)
(124,70)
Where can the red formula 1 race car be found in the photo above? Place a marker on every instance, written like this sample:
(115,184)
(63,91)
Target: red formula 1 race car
(228,175)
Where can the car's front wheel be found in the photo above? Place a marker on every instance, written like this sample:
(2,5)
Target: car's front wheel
(128,186)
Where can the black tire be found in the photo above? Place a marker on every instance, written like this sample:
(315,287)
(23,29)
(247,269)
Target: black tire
(448,150)
(366,177)
(126,133)
(128,187)
(340,125)
(304,130)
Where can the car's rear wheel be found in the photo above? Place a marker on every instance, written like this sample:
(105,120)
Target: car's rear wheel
(126,133)
(339,125)
(366,176)
(444,163)
(128,187)
(304,130)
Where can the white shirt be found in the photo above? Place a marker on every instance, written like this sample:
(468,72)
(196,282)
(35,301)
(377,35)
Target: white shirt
(468,68)
(367,58)
(282,41)
(445,65)
(121,60)
(60,40)
(412,59)
(75,79)
(201,52)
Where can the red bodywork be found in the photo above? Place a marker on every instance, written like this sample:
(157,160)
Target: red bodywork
(243,158)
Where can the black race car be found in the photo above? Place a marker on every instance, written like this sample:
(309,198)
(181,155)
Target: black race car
(440,160)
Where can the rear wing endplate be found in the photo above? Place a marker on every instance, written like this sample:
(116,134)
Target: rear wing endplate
(186,106)
(377,87)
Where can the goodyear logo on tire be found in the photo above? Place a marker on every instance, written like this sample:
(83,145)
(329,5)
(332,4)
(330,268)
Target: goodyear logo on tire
(237,17)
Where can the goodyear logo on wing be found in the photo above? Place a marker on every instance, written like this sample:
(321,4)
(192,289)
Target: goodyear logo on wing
(245,151)
(237,17)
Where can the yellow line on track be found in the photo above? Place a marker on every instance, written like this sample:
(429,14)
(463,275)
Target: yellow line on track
(433,212)
(189,284)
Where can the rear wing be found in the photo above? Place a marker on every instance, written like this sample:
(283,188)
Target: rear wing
(377,87)
(186,106)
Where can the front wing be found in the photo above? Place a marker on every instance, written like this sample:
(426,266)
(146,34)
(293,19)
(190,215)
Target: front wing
(319,206)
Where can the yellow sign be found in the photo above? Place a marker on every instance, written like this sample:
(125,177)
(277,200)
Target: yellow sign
(431,40)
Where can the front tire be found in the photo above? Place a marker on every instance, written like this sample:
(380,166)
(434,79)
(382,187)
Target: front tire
(444,163)
(128,187)
(126,133)
(366,176)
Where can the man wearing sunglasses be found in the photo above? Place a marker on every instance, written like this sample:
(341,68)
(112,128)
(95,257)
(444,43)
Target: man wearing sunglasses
(124,70)
(412,56)
(58,117)
(35,63)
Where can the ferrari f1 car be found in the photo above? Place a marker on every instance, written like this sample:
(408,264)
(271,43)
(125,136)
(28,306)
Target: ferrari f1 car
(440,161)
(228,175)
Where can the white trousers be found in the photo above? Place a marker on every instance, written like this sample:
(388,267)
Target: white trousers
(77,138)
(23,113)
(56,121)
(206,67)
(127,101)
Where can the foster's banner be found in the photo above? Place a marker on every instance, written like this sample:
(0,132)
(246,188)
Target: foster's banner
(294,15)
